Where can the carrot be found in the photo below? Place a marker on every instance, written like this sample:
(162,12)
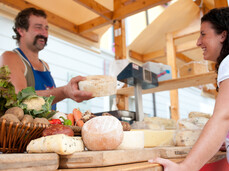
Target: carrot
(71,118)
(78,116)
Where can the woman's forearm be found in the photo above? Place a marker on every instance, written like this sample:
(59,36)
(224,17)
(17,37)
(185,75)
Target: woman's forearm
(208,144)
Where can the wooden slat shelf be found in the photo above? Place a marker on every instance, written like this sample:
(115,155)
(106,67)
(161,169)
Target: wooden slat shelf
(177,83)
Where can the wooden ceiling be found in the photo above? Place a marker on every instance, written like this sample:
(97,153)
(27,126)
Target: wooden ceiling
(87,18)
(150,45)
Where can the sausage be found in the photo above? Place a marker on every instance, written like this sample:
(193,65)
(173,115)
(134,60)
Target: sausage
(58,129)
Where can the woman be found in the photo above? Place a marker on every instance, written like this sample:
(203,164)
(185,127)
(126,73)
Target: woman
(214,41)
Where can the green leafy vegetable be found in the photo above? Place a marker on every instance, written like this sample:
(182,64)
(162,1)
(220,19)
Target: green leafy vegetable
(8,96)
(37,106)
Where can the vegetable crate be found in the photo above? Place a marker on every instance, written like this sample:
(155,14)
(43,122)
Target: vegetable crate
(14,137)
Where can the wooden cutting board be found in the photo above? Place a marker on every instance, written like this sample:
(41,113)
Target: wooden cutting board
(138,166)
(24,162)
(117,157)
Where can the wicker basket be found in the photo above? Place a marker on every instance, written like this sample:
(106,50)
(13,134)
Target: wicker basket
(14,137)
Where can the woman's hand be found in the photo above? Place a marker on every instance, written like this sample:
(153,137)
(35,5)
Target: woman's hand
(72,90)
(168,165)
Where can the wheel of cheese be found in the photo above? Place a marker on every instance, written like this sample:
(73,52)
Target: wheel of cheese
(132,140)
(99,85)
(102,133)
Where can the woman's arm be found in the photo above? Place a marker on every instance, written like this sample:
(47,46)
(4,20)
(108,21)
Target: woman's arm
(211,138)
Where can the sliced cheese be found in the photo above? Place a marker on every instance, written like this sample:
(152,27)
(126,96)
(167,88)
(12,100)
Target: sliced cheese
(132,140)
(60,144)
(153,138)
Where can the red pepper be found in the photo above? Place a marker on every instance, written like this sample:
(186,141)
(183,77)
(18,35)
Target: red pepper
(55,121)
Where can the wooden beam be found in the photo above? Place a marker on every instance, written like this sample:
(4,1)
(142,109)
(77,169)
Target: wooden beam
(120,39)
(153,55)
(183,57)
(136,6)
(96,8)
(221,3)
(189,81)
(136,55)
(171,60)
(122,12)
(186,46)
(52,18)
(93,24)
(190,45)
(120,53)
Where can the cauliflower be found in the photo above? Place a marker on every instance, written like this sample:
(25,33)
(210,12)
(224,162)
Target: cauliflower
(34,103)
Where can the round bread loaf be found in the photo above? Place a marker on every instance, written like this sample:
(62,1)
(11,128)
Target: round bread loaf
(99,85)
(102,133)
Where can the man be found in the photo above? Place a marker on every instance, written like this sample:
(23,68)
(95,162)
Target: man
(31,28)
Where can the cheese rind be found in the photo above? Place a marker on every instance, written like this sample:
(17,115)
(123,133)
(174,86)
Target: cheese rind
(132,140)
(102,133)
(187,137)
(99,85)
(59,143)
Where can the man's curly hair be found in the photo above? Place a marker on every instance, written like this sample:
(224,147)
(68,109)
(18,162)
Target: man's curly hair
(22,20)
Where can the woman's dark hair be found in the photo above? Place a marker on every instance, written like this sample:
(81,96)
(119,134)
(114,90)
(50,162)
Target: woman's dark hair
(219,19)
(22,20)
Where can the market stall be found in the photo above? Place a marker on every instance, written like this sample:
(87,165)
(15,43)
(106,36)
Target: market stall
(74,153)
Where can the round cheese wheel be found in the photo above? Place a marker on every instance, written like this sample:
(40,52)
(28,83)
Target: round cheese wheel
(99,85)
(102,133)
(132,140)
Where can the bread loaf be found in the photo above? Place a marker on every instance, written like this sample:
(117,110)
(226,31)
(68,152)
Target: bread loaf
(99,85)
(102,133)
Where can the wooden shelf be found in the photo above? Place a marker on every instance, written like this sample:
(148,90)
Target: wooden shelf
(172,84)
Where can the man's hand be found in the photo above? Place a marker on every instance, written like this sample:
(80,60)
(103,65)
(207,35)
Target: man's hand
(72,91)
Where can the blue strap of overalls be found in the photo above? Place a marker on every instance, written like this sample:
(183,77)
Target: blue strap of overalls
(43,79)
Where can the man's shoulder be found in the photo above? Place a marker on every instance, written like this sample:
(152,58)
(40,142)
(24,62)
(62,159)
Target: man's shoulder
(9,54)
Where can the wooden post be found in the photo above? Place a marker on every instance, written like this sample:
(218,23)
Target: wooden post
(221,3)
(171,60)
(120,53)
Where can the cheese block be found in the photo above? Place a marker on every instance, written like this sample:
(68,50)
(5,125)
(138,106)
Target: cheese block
(187,137)
(132,140)
(198,114)
(153,138)
(102,133)
(59,143)
(186,124)
(160,123)
(99,85)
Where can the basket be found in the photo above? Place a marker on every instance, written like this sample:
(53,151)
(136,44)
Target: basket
(15,136)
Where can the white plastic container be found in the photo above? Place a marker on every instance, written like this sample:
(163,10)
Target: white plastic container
(163,71)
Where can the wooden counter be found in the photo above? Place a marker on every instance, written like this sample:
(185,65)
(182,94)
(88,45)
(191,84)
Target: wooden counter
(97,160)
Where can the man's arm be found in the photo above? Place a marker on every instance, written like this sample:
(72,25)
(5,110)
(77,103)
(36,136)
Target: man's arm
(17,69)
(18,79)
(71,91)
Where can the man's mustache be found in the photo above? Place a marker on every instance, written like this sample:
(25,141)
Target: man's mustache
(40,37)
